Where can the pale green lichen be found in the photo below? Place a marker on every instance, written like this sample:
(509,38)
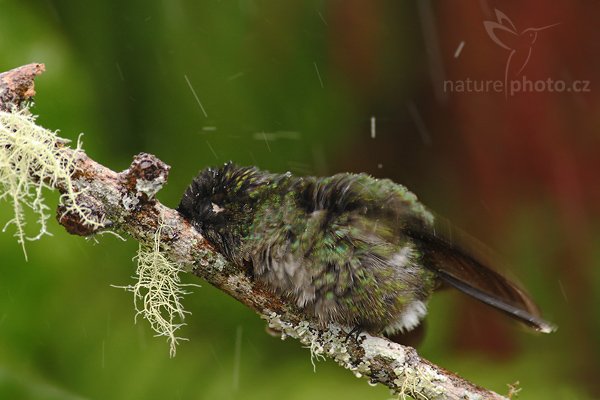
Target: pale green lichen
(316,354)
(514,390)
(419,382)
(158,291)
(320,343)
(378,347)
(33,158)
(240,282)
(150,188)
(130,201)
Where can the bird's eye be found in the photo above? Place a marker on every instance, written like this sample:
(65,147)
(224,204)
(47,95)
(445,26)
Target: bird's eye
(216,208)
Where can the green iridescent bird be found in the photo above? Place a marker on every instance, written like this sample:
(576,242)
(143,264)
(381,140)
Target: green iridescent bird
(350,249)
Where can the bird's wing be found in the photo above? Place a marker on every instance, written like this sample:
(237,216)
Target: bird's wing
(452,255)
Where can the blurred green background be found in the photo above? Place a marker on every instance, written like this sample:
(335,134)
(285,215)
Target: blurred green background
(294,86)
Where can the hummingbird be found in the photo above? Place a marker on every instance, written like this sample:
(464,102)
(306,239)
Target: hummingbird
(347,249)
(519,43)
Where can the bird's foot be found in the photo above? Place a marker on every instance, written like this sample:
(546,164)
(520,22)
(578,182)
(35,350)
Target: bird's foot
(355,333)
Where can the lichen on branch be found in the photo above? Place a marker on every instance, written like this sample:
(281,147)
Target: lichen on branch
(158,291)
(33,158)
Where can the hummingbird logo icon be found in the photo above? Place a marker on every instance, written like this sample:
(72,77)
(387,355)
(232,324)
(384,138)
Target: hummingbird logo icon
(519,43)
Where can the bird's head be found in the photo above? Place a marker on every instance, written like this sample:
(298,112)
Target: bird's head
(220,203)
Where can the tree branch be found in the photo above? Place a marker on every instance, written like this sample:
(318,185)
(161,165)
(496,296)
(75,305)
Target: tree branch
(125,201)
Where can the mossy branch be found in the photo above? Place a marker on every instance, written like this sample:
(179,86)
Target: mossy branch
(124,201)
